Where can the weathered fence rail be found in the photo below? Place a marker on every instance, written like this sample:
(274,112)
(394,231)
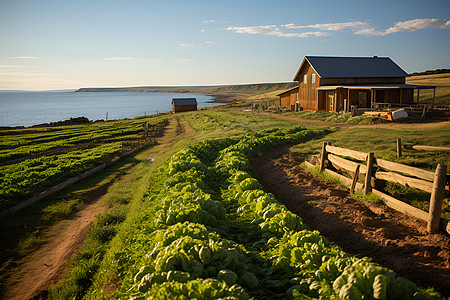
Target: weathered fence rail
(419,148)
(375,169)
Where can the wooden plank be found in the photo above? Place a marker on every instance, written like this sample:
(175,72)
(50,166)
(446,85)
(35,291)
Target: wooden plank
(408,181)
(437,198)
(399,147)
(402,206)
(355,179)
(347,152)
(346,164)
(412,171)
(323,157)
(367,181)
(427,148)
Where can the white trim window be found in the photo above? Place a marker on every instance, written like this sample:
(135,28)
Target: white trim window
(313,78)
(305,79)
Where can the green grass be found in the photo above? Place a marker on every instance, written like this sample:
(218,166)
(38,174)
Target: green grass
(335,117)
(382,142)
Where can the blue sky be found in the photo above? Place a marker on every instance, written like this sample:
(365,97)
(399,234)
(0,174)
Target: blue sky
(70,44)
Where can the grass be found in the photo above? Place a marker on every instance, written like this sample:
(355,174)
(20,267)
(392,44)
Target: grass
(323,175)
(335,117)
(382,142)
(442,81)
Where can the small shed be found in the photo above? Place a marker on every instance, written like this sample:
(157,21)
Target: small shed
(183,104)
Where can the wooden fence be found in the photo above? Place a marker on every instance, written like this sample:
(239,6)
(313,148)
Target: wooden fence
(380,169)
(419,147)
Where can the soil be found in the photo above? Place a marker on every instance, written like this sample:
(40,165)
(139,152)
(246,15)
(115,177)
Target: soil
(361,228)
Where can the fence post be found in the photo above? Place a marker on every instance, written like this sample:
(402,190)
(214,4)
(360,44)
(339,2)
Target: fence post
(355,179)
(437,197)
(323,157)
(370,159)
(399,147)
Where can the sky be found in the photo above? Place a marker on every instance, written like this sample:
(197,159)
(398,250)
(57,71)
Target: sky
(62,44)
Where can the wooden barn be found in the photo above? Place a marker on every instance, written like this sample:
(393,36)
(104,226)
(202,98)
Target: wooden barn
(183,104)
(337,83)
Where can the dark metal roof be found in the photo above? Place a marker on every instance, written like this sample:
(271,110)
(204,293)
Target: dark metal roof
(342,67)
(184,101)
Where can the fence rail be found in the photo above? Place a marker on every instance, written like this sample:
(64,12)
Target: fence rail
(378,169)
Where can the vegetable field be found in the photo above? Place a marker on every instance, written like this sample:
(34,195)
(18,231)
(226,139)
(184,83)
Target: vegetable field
(37,169)
(209,231)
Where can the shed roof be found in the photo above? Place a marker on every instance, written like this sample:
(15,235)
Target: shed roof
(184,101)
(288,91)
(342,67)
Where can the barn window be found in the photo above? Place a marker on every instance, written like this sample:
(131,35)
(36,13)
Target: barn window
(313,78)
(305,79)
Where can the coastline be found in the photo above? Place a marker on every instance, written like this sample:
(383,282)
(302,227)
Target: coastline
(216,98)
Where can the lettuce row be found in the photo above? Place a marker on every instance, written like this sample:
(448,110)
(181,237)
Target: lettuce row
(216,234)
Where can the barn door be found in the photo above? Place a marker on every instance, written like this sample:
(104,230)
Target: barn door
(331,103)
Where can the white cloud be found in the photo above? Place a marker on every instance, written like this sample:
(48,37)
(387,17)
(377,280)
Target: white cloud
(186,45)
(209,42)
(209,21)
(358,27)
(25,57)
(118,58)
(410,25)
(187,59)
(330,26)
(273,30)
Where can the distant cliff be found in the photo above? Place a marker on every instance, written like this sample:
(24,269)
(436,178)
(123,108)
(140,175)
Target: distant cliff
(222,89)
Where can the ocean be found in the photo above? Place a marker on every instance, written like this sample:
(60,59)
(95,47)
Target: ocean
(20,108)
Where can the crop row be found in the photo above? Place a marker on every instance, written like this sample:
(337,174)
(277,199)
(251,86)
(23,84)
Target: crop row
(21,145)
(31,176)
(210,231)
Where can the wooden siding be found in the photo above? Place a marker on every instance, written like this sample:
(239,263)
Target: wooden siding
(288,98)
(307,93)
(182,108)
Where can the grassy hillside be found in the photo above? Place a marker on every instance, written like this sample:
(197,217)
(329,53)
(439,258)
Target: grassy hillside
(243,89)
(442,81)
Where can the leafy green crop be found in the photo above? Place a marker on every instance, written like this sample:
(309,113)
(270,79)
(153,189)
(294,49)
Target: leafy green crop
(209,231)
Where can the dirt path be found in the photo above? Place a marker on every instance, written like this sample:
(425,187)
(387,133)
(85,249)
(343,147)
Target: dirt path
(361,228)
(35,273)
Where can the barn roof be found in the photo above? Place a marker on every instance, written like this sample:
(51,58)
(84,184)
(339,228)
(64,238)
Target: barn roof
(342,67)
(184,101)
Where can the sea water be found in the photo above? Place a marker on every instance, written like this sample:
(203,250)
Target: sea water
(19,108)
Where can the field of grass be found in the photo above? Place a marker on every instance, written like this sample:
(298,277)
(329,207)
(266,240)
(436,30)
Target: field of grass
(442,81)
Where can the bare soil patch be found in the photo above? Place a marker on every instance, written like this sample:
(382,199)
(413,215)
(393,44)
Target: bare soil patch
(391,239)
